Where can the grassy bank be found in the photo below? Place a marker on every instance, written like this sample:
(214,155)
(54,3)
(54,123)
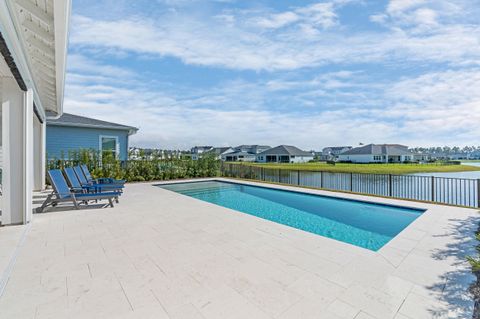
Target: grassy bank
(371,168)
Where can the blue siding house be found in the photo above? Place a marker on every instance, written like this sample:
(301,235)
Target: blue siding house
(72,133)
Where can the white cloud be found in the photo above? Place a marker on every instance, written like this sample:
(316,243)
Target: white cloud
(433,108)
(309,109)
(396,7)
(277,20)
(294,39)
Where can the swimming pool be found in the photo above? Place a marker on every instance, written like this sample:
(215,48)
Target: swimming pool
(359,223)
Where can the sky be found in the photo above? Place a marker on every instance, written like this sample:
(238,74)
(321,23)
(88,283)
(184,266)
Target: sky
(304,73)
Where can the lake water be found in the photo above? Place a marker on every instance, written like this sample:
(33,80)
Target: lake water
(471,174)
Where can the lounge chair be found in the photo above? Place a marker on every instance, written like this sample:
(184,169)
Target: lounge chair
(83,180)
(77,186)
(106,180)
(62,193)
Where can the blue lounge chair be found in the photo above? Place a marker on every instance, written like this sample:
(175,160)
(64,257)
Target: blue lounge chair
(83,180)
(107,180)
(77,186)
(62,193)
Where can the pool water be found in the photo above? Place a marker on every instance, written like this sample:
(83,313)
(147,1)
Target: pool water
(359,223)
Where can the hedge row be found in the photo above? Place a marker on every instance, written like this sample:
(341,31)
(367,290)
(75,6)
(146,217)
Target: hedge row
(144,169)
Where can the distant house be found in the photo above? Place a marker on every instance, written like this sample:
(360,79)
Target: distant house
(244,153)
(284,154)
(253,149)
(332,152)
(423,157)
(197,151)
(219,152)
(378,153)
(73,132)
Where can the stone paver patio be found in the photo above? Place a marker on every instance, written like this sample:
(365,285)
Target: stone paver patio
(159,254)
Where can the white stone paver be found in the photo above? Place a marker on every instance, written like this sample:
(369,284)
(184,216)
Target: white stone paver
(159,254)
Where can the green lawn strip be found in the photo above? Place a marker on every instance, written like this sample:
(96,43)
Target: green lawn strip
(369,168)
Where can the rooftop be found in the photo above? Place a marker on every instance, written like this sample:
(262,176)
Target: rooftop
(153,256)
(379,149)
(219,150)
(285,150)
(68,119)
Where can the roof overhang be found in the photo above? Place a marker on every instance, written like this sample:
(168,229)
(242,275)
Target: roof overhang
(131,130)
(36,33)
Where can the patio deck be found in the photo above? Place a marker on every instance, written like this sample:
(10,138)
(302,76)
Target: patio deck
(159,254)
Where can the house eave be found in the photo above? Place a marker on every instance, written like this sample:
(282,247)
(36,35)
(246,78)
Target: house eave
(130,130)
(41,62)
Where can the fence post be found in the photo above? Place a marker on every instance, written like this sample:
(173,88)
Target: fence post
(321,179)
(351,182)
(390,185)
(478,192)
(298,177)
(263,173)
(278,175)
(433,188)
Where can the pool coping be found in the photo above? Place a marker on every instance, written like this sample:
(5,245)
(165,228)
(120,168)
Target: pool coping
(239,263)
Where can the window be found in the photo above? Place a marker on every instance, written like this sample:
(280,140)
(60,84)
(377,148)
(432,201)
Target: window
(377,158)
(109,146)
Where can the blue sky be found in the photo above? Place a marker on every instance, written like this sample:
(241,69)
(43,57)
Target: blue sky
(307,73)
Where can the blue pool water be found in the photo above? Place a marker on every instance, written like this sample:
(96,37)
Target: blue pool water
(359,223)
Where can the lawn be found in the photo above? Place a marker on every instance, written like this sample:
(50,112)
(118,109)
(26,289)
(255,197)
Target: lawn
(370,168)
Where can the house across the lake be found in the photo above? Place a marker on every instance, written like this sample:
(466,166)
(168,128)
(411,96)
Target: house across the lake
(219,152)
(378,153)
(71,133)
(284,154)
(332,152)
(244,153)
(197,151)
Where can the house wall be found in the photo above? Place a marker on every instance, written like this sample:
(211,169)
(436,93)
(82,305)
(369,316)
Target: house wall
(301,159)
(360,158)
(65,138)
(365,158)
(296,159)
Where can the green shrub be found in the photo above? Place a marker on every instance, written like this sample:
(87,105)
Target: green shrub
(143,169)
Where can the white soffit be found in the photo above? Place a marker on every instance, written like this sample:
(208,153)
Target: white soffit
(42,28)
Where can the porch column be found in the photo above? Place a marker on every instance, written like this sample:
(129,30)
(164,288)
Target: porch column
(17,136)
(39,156)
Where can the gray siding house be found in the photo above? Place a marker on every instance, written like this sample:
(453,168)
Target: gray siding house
(73,132)
(284,154)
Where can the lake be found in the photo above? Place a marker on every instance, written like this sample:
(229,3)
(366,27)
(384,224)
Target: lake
(472,174)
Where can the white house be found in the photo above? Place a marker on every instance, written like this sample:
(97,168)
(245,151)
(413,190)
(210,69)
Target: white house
(284,154)
(33,47)
(220,152)
(378,153)
(244,153)
(332,152)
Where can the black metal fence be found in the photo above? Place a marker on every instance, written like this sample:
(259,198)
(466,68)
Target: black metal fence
(443,190)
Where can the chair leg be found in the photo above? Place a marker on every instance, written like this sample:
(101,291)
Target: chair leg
(75,203)
(111,202)
(45,203)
